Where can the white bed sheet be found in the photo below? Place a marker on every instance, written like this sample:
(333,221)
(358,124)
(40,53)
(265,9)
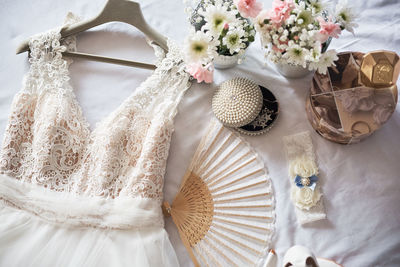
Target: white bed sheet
(361,183)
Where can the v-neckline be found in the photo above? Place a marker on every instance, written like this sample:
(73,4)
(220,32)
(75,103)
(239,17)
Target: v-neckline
(92,130)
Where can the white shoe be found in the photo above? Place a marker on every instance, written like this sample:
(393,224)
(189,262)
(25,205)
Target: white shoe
(299,256)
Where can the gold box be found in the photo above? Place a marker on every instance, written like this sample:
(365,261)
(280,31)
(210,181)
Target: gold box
(356,97)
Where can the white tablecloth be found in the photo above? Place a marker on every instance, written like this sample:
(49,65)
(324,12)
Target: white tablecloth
(361,183)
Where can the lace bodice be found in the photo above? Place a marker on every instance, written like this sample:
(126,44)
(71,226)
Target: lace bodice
(48,141)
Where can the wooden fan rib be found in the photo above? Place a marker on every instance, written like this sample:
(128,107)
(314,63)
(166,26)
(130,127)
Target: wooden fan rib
(210,184)
(193,213)
(206,176)
(235,252)
(198,151)
(220,253)
(241,198)
(236,180)
(238,189)
(216,154)
(209,254)
(241,224)
(261,241)
(254,251)
(218,159)
(242,215)
(198,252)
(202,157)
(242,207)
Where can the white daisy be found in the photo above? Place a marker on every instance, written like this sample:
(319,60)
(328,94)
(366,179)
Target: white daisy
(200,47)
(326,60)
(296,55)
(345,16)
(216,16)
(233,40)
(315,52)
(304,18)
(317,6)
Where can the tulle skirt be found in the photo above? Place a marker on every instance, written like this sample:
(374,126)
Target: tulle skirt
(26,240)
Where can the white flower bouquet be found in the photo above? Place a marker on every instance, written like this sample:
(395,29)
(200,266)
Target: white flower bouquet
(298,32)
(219,27)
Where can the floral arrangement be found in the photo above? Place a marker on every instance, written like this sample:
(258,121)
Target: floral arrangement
(298,32)
(219,27)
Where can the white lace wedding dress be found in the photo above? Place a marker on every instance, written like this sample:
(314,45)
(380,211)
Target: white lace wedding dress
(75,197)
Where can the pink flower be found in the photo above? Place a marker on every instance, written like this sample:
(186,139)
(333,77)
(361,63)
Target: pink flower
(276,49)
(226,26)
(327,28)
(280,11)
(248,8)
(201,73)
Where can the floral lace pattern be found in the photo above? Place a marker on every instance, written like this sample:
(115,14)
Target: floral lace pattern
(48,142)
(307,200)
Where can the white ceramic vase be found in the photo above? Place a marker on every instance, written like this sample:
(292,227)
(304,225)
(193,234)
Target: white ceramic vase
(292,71)
(225,62)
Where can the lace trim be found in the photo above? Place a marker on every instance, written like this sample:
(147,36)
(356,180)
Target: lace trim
(308,201)
(48,142)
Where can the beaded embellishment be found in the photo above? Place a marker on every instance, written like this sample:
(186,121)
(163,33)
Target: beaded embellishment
(267,117)
(242,104)
(305,191)
(237,102)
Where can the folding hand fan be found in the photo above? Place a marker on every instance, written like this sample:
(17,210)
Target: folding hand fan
(224,210)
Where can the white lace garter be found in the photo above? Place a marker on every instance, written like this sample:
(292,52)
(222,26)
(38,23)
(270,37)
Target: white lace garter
(303,173)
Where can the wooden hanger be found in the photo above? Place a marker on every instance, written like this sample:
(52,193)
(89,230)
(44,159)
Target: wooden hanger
(115,10)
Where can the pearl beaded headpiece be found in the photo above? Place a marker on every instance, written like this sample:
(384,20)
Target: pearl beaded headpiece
(237,102)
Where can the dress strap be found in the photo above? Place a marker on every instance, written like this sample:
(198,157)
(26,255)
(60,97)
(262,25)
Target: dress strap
(164,89)
(49,70)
